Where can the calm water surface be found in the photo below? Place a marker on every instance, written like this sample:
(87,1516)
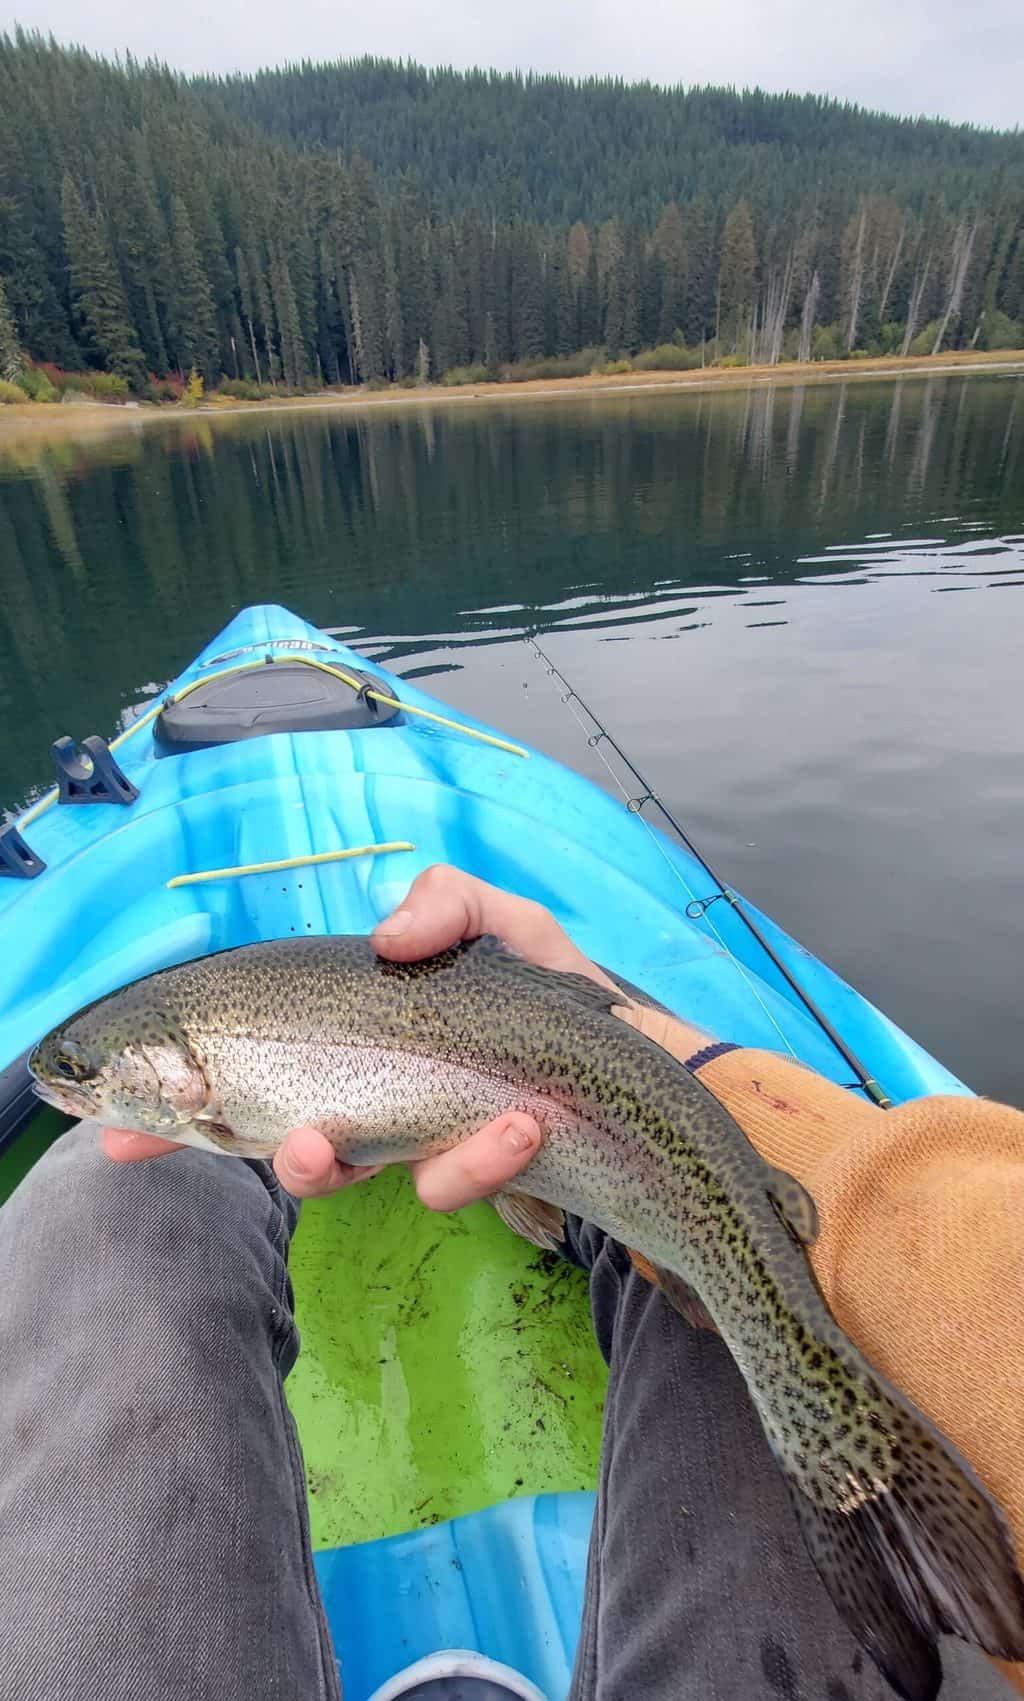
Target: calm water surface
(801,610)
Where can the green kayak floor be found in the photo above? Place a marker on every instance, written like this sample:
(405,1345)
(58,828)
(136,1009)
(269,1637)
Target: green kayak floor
(445,1363)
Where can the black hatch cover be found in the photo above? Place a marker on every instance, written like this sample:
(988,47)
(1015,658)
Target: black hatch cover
(269,697)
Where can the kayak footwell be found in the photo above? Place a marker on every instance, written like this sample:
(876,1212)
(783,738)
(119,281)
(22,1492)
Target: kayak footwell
(507,1581)
(445,1365)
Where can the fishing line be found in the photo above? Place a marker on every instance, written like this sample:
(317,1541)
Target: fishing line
(698,908)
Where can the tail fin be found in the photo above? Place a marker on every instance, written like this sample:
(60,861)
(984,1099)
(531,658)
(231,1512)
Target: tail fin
(924,1552)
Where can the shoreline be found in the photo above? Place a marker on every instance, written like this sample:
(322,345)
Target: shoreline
(58,420)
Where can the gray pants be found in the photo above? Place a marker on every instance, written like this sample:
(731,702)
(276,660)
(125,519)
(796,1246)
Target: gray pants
(154,1542)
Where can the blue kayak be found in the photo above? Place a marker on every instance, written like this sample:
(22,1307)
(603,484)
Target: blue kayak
(283,785)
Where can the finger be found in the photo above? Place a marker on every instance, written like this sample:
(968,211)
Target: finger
(486,1161)
(125,1146)
(306,1165)
(444,905)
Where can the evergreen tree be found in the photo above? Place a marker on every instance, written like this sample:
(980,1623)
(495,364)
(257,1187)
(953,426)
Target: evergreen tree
(248,305)
(699,310)
(412,248)
(97,289)
(736,270)
(394,330)
(11,360)
(561,330)
(143,250)
(498,330)
(1010,294)
(670,249)
(610,251)
(590,303)
(478,294)
(578,251)
(631,287)
(193,328)
(367,326)
(286,311)
(526,287)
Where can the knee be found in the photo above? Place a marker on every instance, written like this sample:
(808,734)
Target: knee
(161,1241)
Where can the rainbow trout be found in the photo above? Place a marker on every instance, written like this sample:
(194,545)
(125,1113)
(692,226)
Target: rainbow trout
(395,1061)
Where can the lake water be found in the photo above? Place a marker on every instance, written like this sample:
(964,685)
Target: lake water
(801,611)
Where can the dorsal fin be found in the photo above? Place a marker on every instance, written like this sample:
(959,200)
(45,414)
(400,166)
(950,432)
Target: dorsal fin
(581,988)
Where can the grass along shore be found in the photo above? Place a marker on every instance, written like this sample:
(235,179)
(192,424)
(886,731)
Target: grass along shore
(39,420)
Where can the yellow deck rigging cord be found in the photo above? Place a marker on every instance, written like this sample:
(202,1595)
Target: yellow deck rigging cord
(287,862)
(47,802)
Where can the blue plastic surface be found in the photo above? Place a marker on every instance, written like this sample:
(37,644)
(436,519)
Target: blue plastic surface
(507,1581)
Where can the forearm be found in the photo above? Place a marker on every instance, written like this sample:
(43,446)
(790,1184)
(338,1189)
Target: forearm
(921,1249)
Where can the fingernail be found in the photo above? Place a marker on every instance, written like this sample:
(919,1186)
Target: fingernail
(515,1138)
(394,925)
(299,1167)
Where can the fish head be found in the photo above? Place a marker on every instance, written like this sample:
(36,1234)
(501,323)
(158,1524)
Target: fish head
(125,1064)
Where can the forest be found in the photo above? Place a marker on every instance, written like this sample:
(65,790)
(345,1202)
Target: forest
(373,222)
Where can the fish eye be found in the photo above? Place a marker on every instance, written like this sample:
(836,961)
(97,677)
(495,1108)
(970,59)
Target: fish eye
(71,1066)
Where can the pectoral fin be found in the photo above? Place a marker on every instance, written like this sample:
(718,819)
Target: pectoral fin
(679,1294)
(533,1220)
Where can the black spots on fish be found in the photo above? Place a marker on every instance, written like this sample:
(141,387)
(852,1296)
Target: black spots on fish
(837,1690)
(777,1668)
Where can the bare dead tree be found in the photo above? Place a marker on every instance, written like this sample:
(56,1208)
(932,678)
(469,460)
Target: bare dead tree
(807,318)
(774,311)
(255,356)
(856,281)
(917,289)
(962,247)
(357,325)
(890,274)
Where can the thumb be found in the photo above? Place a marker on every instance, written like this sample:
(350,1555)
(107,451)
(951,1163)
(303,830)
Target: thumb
(479,1166)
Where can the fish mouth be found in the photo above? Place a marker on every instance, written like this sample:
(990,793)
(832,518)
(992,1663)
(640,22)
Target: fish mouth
(66,1099)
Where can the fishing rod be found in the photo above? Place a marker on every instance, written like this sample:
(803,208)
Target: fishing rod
(699,906)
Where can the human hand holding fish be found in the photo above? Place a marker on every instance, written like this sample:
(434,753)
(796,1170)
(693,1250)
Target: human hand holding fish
(705,1183)
(443,907)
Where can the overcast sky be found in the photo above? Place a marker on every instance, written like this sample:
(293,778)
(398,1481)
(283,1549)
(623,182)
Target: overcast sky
(959,59)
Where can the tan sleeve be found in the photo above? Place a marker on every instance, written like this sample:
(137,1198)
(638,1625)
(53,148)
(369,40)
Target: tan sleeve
(921,1250)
